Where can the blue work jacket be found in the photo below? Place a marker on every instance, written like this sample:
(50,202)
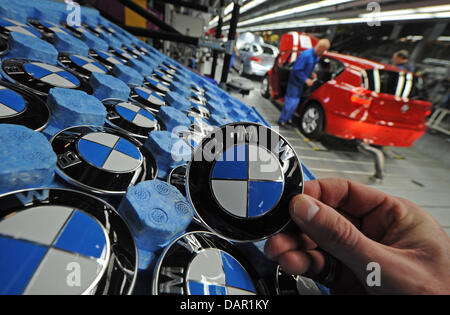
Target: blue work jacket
(302,70)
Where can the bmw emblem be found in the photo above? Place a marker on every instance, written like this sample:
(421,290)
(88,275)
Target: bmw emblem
(163,76)
(3,46)
(96,31)
(9,25)
(47,28)
(133,51)
(169,66)
(201,263)
(20,107)
(197,98)
(60,241)
(286,284)
(105,58)
(84,66)
(199,111)
(101,159)
(404,108)
(200,126)
(131,118)
(122,54)
(78,31)
(156,85)
(167,70)
(177,178)
(147,97)
(41,77)
(240,180)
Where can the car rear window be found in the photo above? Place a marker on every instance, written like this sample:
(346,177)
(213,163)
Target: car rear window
(401,84)
(268,50)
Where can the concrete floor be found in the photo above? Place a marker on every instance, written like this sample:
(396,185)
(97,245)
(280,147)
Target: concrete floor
(412,173)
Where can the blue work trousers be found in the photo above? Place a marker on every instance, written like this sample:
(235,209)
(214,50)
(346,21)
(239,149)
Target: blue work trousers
(290,105)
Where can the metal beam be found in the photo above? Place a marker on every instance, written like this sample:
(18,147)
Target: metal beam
(218,35)
(174,37)
(149,16)
(231,39)
(190,5)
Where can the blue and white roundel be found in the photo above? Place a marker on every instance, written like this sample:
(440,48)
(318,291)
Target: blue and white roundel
(42,248)
(54,27)
(157,84)
(11,103)
(149,95)
(109,152)
(14,26)
(136,115)
(247,181)
(52,75)
(88,64)
(214,272)
(109,57)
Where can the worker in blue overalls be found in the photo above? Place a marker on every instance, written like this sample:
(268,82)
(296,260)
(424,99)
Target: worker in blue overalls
(301,74)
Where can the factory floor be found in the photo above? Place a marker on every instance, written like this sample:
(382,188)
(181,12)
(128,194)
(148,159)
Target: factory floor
(420,173)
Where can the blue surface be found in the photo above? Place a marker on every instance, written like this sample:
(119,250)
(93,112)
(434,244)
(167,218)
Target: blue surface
(26,255)
(11,12)
(128,75)
(82,235)
(262,197)
(232,164)
(26,159)
(29,47)
(173,118)
(68,44)
(13,100)
(156,213)
(168,150)
(177,101)
(94,42)
(235,274)
(107,86)
(140,67)
(68,111)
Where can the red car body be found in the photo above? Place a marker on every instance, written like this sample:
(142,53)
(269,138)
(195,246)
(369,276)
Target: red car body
(363,99)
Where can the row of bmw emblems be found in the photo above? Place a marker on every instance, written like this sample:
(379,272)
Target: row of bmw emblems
(59,241)
(101,159)
(201,263)
(20,107)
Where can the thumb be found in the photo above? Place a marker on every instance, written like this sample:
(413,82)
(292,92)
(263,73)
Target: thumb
(332,232)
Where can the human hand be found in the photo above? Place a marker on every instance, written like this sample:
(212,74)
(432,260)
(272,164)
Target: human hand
(314,75)
(309,82)
(411,248)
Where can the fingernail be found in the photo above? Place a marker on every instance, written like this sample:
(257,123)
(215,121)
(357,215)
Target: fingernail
(304,209)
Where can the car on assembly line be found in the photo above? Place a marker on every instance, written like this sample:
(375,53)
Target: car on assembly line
(255,59)
(355,98)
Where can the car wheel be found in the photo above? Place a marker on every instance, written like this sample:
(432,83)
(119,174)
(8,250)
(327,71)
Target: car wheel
(265,87)
(312,121)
